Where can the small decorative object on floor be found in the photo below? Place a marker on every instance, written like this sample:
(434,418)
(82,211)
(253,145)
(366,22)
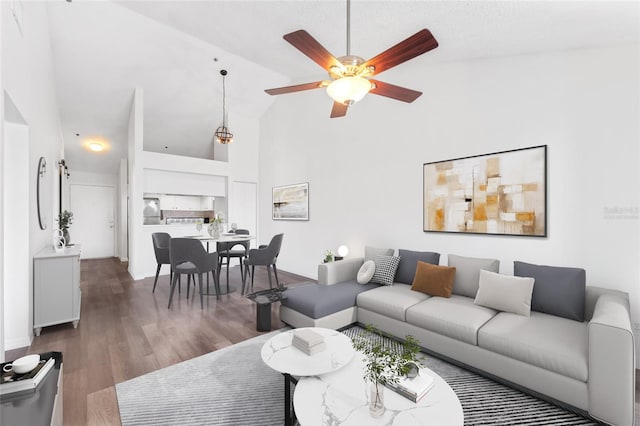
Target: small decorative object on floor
(328,256)
(64,221)
(308,341)
(385,364)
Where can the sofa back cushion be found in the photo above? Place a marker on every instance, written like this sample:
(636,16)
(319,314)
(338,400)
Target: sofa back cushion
(468,273)
(505,293)
(385,270)
(409,261)
(558,290)
(434,280)
(370,253)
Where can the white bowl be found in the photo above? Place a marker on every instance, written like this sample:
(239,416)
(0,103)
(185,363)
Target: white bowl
(25,364)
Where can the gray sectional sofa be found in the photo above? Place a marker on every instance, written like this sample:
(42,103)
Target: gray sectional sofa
(588,365)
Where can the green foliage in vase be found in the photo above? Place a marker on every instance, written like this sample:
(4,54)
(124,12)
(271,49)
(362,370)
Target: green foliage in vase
(328,256)
(385,363)
(64,220)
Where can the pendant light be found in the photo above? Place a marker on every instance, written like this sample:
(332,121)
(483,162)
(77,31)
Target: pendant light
(223,134)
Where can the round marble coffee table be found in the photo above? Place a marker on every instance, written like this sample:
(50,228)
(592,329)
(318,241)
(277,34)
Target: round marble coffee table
(279,354)
(341,398)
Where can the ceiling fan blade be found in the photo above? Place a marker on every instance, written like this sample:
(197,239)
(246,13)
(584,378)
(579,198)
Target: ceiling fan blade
(338,110)
(419,43)
(308,45)
(394,92)
(296,88)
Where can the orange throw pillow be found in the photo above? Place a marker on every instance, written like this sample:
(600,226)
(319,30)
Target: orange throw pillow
(434,280)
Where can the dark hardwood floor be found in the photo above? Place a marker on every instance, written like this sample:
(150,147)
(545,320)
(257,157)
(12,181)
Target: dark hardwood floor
(125,331)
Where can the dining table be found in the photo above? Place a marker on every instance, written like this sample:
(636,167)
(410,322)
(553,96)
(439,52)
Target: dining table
(223,238)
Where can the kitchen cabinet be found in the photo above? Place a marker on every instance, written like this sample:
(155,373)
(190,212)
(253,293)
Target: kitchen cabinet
(168,202)
(56,287)
(206,203)
(180,202)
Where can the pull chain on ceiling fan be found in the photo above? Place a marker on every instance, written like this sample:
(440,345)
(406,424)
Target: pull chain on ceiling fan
(351,75)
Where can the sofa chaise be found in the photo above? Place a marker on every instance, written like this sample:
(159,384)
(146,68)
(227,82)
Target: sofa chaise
(587,364)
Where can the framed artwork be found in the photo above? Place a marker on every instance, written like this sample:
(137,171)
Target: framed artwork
(504,193)
(290,202)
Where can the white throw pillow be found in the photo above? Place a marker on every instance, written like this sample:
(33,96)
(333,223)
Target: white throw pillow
(505,293)
(366,272)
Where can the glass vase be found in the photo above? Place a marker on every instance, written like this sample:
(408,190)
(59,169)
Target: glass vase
(214,230)
(376,399)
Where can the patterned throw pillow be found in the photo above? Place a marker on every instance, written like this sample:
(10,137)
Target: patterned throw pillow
(386,267)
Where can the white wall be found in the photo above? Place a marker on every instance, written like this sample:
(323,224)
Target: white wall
(135,183)
(27,77)
(16,277)
(365,170)
(1,199)
(121,235)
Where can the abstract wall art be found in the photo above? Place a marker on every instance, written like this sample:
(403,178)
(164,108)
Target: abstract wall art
(503,193)
(291,202)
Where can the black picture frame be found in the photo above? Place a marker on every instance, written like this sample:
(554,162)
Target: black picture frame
(501,193)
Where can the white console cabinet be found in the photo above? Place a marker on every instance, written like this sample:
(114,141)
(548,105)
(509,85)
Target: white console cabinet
(56,287)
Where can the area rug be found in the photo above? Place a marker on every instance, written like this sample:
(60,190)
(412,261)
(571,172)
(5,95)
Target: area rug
(232,386)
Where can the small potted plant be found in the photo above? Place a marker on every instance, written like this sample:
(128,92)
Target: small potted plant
(385,364)
(328,256)
(64,221)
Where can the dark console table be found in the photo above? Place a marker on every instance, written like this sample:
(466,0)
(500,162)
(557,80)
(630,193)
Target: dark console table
(40,407)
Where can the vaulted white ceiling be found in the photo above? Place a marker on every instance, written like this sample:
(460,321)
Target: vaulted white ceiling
(103,50)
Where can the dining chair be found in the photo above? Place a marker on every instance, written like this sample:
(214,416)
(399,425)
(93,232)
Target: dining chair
(225,250)
(161,249)
(189,257)
(265,255)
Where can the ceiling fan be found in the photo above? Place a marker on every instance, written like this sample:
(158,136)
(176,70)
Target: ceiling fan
(351,75)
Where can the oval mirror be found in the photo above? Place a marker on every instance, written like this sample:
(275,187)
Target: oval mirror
(40,192)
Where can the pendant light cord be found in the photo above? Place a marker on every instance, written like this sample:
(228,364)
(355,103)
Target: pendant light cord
(224,99)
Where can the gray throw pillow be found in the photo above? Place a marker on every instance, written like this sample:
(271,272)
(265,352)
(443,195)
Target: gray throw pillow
(558,290)
(468,273)
(385,269)
(409,261)
(370,253)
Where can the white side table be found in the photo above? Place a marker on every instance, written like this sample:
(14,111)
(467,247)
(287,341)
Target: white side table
(341,398)
(279,354)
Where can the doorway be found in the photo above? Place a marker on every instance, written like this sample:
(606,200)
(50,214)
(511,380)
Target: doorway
(93,224)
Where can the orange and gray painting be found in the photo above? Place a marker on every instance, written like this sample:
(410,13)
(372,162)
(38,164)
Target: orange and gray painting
(500,193)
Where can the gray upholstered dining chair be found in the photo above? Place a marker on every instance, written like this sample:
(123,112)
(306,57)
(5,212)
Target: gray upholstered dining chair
(232,250)
(266,256)
(161,249)
(188,256)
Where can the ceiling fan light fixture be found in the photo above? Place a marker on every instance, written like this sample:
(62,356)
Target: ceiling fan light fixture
(348,90)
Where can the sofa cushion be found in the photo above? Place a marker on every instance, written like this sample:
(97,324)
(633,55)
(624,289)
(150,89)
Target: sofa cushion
(505,293)
(468,273)
(366,271)
(391,301)
(370,253)
(317,301)
(456,317)
(386,267)
(557,291)
(434,280)
(547,341)
(409,261)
